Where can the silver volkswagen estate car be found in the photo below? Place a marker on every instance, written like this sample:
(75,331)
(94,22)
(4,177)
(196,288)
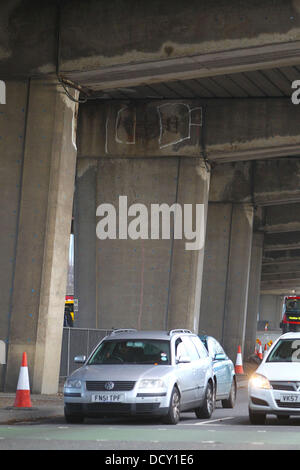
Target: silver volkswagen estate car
(142,373)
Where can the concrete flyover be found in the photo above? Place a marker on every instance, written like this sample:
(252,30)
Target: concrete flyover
(162,102)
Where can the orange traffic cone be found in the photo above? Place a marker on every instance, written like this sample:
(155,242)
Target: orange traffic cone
(265,349)
(239,362)
(22,399)
(256,350)
(260,354)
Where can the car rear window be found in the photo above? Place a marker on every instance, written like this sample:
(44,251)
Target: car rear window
(132,351)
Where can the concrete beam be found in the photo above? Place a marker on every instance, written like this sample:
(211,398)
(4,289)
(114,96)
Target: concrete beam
(281,276)
(283,267)
(159,42)
(281,218)
(220,130)
(279,290)
(282,241)
(280,286)
(103,45)
(264,183)
(270,257)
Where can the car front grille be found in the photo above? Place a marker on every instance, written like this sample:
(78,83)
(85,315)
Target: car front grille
(119,386)
(286,386)
(281,404)
(121,408)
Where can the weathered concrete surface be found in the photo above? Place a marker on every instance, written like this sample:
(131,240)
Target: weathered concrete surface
(85,242)
(282,241)
(187,265)
(141,283)
(263,183)
(106,45)
(12,124)
(222,130)
(280,255)
(239,259)
(226,274)
(270,309)
(281,267)
(282,272)
(43,230)
(155,42)
(253,292)
(283,217)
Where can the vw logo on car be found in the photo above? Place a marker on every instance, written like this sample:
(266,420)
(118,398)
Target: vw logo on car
(109,386)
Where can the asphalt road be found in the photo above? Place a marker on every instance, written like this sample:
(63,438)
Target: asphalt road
(227,429)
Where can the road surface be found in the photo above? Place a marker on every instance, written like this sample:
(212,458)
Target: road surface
(227,429)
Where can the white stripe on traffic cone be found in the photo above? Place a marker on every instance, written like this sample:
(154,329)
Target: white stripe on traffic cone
(239,362)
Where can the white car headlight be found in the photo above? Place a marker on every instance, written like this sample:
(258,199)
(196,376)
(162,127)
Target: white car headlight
(259,381)
(72,383)
(151,383)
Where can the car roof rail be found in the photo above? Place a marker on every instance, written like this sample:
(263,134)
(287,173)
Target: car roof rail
(123,330)
(179,330)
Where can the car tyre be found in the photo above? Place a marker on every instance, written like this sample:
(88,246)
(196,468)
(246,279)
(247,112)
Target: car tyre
(230,401)
(206,410)
(257,418)
(173,415)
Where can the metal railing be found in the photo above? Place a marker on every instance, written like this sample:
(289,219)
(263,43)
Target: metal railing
(75,342)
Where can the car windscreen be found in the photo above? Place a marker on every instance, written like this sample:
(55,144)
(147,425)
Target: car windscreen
(293,305)
(137,351)
(286,350)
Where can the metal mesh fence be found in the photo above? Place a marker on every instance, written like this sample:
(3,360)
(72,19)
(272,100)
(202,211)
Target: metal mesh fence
(76,342)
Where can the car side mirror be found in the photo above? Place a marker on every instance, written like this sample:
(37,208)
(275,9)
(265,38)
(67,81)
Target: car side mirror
(183,360)
(80,359)
(219,357)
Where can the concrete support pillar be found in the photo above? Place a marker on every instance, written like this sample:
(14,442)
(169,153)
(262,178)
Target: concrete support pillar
(12,125)
(187,265)
(141,283)
(42,234)
(132,275)
(270,310)
(254,293)
(85,243)
(226,274)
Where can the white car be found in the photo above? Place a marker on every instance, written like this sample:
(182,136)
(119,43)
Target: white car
(274,388)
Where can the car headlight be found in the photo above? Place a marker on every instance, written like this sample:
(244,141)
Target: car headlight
(151,383)
(72,383)
(259,381)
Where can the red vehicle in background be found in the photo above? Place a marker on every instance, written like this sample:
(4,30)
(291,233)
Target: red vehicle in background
(291,314)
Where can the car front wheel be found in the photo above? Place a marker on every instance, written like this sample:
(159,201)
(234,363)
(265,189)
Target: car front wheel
(173,415)
(257,418)
(206,410)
